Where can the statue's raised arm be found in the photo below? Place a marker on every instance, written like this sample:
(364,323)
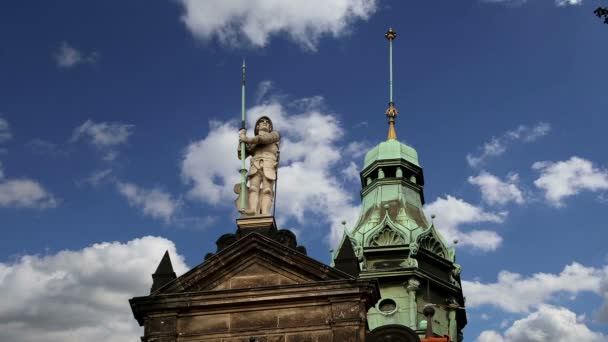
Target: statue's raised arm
(264,151)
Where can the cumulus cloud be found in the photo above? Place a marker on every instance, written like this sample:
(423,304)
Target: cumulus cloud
(5,130)
(106,136)
(212,178)
(499,145)
(489,336)
(496,191)
(453,213)
(517,294)
(25,193)
(256,21)
(567,178)
(155,202)
(309,151)
(548,323)
(65,296)
(67,56)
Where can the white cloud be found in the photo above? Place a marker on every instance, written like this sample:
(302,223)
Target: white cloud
(489,336)
(211,166)
(103,134)
(263,89)
(548,323)
(256,21)
(80,295)
(155,203)
(5,130)
(567,178)
(21,192)
(351,172)
(96,177)
(602,314)
(561,3)
(306,181)
(496,191)
(67,56)
(25,193)
(106,136)
(498,145)
(517,294)
(517,3)
(453,213)
(357,149)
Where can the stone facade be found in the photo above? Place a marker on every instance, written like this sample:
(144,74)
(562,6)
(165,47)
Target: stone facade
(257,289)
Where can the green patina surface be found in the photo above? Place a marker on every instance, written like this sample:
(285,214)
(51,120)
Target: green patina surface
(391,149)
(394,200)
(391,228)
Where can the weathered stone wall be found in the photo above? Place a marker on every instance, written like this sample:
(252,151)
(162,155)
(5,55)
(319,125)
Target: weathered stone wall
(333,321)
(258,290)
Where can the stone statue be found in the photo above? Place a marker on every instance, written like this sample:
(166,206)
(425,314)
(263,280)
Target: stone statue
(264,151)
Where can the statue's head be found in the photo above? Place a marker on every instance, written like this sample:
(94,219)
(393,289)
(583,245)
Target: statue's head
(263,124)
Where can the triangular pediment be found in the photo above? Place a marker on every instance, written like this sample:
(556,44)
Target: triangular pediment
(252,262)
(253,273)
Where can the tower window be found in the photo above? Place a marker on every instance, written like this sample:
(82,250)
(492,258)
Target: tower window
(387,306)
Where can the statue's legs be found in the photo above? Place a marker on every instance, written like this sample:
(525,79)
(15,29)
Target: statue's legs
(267,194)
(254,191)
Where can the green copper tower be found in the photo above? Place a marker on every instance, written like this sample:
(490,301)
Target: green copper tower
(394,242)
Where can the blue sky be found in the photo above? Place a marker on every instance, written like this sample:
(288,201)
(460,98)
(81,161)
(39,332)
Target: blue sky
(118,130)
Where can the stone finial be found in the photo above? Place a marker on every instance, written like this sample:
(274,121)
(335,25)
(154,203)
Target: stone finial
(164,273)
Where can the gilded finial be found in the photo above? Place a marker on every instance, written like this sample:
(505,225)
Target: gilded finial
(390,34)
(391,114)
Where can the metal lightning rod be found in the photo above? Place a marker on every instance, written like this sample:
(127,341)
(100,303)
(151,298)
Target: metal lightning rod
(390,36)
(243,165)
(391,112)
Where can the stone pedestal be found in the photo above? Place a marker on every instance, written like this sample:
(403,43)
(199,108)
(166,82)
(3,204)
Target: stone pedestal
(264,225)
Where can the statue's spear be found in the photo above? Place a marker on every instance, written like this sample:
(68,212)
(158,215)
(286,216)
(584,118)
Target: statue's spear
(243,165)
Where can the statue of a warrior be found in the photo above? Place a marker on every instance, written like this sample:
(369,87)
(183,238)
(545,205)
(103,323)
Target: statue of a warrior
(264,151)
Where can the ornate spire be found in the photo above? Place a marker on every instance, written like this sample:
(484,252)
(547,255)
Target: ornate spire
(391,112)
